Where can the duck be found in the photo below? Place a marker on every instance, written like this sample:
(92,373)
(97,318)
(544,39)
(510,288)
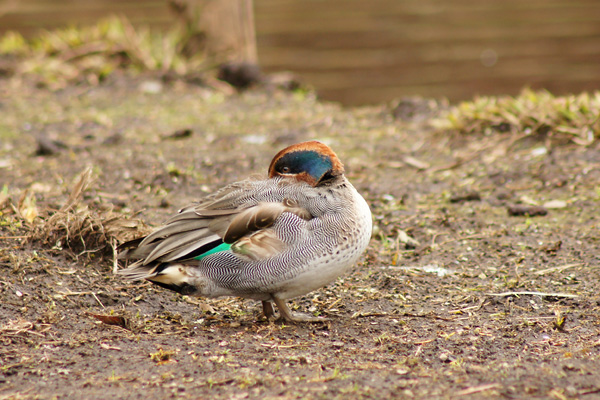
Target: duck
(270,239)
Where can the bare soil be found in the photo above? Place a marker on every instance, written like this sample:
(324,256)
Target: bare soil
(481,304)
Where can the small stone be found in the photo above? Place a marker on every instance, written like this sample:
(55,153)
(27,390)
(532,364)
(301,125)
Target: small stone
(555,204)
(113,139)
(468,196)
(180,134)
(539,151)
(255,139)
(151,87)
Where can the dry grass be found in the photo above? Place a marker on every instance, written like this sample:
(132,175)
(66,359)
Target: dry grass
(575,117)
(79,228)
(89,54)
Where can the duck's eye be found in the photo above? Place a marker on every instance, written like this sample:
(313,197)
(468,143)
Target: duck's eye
(285,170)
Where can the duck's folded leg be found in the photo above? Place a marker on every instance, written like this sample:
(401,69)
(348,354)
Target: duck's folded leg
(287,315)
(268,310)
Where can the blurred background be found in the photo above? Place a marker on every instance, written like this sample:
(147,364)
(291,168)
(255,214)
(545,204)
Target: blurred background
(361,52)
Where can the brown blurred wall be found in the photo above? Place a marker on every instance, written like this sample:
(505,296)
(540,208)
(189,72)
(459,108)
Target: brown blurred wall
(358,51)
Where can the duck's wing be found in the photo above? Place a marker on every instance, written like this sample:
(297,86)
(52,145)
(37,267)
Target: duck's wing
(237,217)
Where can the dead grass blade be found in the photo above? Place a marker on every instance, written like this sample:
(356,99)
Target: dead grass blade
(20,327)
(478,389)
(83,181)
(560,268)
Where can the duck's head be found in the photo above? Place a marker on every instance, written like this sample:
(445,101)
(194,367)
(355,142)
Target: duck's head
(312,162)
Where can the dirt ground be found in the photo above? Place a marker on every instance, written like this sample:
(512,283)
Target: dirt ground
(455,298)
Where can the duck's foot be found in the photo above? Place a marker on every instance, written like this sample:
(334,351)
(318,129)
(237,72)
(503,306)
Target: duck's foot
(287,315)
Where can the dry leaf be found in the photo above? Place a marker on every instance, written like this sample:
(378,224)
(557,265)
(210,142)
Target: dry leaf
(27,208)
(111,320)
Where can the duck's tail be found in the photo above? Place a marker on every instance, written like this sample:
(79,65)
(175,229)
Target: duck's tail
(173,276)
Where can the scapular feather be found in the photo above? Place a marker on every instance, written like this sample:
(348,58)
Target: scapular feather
(176,228)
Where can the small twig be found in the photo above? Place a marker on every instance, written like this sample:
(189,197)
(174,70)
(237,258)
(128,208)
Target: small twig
(478,389)
(113,245)
(76,293)
(333,304)
(8,367)
(475,308)
(470,237)
(556,269)
(506,294)
(430,315)
(422,342)
(36,333)
(481,305)
(418,350)
(14,328)
(13,237)
(359,314)
(281,346)
(589,391)
(98,300)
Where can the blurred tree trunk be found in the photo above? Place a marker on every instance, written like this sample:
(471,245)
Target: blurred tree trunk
(224,29)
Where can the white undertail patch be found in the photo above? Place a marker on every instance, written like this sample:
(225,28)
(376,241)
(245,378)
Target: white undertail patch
(175,274)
